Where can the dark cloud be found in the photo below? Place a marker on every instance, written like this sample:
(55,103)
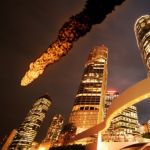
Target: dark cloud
(27,28)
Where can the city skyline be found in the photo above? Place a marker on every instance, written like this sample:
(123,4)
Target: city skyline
(28,28)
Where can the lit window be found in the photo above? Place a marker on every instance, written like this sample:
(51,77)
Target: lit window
(143,24)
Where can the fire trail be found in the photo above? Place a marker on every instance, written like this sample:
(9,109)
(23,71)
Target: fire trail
(95,12)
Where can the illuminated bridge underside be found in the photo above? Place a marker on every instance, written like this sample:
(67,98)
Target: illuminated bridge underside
(131,96)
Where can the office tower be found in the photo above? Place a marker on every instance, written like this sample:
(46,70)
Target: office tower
(125,125)
(54,130)
(28,129)
(9,139)
(142,33)
(147,126)
(110,95)
(88,109)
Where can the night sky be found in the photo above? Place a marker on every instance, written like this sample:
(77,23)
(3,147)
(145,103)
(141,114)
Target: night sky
(27,29)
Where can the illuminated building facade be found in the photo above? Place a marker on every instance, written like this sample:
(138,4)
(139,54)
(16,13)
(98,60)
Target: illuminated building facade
(147,127)
(28,129)
(142,33)
(9,140)
(110,95)
(88,107)
(125,125)
(35,146)
(54,129)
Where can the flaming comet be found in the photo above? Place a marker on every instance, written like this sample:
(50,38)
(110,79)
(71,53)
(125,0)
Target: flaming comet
(95,12)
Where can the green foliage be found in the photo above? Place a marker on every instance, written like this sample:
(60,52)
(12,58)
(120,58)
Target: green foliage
(69,147)
(146,135)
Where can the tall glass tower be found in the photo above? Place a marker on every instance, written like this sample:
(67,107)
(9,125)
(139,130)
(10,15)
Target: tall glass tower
(54,129)
(88,108)
(124,126)
(9,139)
(110,95)
(27,131)
(142,33)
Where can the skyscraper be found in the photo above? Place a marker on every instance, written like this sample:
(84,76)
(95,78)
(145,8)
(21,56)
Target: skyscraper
(88,109)
(110,95)
(125,125)
(142,33)
(54,129)
(9,139)
(27,131)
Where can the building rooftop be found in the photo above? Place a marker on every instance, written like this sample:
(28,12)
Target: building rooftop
(46,96)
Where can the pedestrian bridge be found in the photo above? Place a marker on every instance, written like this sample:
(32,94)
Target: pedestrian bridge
(136,93)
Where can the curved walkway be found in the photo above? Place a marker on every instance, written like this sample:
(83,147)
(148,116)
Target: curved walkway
(136,93)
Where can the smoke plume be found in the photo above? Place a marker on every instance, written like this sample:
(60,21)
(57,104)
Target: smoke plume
(95,12)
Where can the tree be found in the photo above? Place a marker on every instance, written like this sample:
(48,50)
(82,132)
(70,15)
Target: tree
(146,135)
(68,132)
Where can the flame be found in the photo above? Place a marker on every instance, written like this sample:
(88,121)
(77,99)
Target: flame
(53,53)
(94,12)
